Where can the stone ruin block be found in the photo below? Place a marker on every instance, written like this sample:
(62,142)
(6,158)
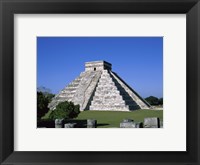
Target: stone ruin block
(152,122)
(91,123)
(139,125)
(127,125)
(59,123)
(127,120)
(161,124)
(70,125)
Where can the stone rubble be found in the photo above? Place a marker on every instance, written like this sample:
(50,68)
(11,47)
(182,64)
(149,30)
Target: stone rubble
(59,123)
(91,123)
(153,122)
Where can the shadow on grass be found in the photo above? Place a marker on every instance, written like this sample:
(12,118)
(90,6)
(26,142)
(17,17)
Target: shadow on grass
(102,124)
(83,123)
(79,123)
(46,124)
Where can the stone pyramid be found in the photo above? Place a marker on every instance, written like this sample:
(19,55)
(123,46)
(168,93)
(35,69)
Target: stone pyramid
(99,88)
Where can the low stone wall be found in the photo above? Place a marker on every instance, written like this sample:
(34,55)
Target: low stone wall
(150,122)
(153,122)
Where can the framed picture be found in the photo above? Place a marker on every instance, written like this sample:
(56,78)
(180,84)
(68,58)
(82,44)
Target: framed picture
(111,64)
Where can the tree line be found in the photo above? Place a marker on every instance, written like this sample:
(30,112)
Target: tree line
(152,100)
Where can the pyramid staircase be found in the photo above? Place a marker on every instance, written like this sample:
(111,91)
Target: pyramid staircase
(110,95)
(78,91)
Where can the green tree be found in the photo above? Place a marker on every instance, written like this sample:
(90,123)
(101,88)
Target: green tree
(42,104)
(152,100)
(65,110)
(161,101)
(49,96)
(43,99)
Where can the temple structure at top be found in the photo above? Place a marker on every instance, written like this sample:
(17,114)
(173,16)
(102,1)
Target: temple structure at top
(97,65)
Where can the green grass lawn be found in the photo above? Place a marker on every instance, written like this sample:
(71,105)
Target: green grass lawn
(106,119)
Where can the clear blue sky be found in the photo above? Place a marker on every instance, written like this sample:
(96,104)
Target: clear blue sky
(137,60)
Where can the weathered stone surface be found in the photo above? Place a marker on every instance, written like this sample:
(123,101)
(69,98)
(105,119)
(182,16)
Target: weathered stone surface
(98,88)
(70,125)
(107,96)
(91,123)
(139,125)
(161,124)
(127,125)
(151,122)
(79,91)
(59,123)
(127,120)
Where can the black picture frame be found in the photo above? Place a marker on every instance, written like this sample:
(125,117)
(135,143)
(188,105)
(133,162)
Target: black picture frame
(10,7)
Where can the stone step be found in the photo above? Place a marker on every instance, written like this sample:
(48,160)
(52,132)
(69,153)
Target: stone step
(103,81)
(77,80)
(105,84)
(75,83)
(109,108)
(68,91)
(82,75)
(106,81)
(115,97)
(105,71)
(106,76)
(65,99)
(104,88)
(108,102)
(106,92)
(66,95)
(72,85)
